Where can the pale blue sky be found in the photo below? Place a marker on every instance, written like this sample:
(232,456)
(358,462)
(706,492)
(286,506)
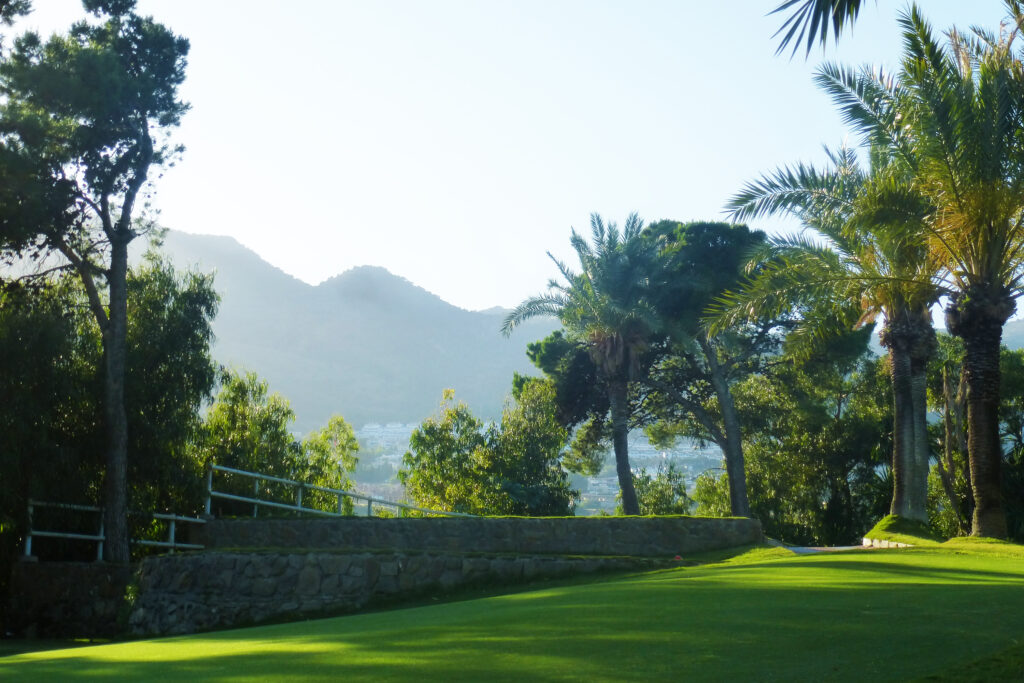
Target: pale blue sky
(454,142)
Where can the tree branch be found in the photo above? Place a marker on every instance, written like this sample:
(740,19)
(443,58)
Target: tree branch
(83,267)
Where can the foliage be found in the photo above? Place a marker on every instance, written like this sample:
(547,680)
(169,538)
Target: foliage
(51,402)
(817,432)
(566,362)
(455,463)
(950,496)
(442,469)
(664,493)
(84,117)
(711,495)
(170,376)
(247,428)
(47,409)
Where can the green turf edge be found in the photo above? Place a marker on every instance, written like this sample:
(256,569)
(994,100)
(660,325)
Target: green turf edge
(984,546)
(900,530)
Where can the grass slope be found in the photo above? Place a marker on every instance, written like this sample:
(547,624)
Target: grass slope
(896,528)
(769,615)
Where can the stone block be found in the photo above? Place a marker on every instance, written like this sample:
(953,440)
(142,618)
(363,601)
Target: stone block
(264,588)
(308,582)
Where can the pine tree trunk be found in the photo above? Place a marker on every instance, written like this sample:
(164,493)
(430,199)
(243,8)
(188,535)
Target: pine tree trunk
(618,399)
(115,514)
(735,465)
(978,320)
(951,442)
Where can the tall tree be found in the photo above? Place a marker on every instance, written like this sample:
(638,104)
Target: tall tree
(967,104)
(694,370)
(604,306)
(869,262)
(960,105)
(83,121)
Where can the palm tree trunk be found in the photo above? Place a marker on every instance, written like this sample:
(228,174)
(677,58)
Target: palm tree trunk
(923,346)
(917,485)
(903,429)
(617,398)
(115,514)
(983,448)
(978,320)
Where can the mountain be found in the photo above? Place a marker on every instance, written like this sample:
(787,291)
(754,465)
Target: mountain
(366,344)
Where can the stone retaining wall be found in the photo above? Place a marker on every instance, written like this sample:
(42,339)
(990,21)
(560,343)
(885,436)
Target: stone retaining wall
(195,592)
(633,536)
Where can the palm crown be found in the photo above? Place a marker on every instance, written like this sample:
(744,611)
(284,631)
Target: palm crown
(604,304)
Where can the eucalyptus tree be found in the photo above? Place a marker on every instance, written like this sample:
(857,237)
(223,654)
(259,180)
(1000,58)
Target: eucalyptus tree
(864,260)
(604,306)
(83,121)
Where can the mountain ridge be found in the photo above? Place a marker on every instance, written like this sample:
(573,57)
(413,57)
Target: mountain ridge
(366,343)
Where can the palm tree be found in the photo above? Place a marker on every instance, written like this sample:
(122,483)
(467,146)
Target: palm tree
(965,106)
(958,109)
(603,306)
(870,264)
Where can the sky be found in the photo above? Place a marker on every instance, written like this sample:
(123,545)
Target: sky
(456,142)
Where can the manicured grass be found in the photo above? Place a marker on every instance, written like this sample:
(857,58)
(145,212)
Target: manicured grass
(769,615)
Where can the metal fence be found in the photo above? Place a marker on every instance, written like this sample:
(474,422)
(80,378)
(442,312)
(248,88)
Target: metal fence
(99,537)
(360,505)
(299,489)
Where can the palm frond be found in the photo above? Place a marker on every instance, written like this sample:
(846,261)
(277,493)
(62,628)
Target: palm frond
(870,103)
(812,18)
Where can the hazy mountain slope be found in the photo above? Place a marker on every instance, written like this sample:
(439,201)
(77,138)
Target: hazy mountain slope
(367,344)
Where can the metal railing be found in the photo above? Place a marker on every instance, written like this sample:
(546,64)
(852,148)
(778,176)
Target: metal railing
(300,488)
(171,543)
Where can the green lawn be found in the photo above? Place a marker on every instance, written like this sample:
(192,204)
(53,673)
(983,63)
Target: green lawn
(768,615)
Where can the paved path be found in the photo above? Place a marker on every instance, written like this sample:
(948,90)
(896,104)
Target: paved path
(810,550)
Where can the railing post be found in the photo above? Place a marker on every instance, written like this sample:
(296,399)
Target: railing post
(28,536)
(172,537)
(102,534)
(209,490)
(341,507)
(298,495)
(255,495)
(369,507)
